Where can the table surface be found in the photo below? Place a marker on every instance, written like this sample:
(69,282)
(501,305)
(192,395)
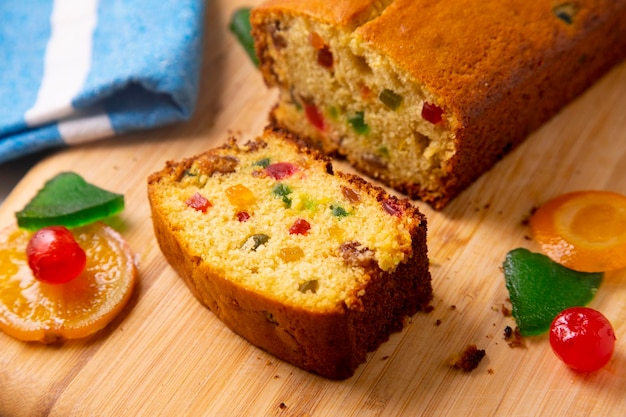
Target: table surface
(168,355)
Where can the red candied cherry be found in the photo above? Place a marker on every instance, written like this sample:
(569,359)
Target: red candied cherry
(299,227)
(243,216)
(281,170)
(432,113)
(314,116)
(198,202)
(582,338)
(54,256)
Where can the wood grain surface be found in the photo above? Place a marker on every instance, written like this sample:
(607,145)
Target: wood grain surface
(166,355)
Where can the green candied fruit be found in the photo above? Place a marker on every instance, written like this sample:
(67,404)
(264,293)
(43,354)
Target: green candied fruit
(339,211)
(540,288)
(358,123)
(390,99)
(333,112)
(566,12)
(283,191)
(263,163)
(68,200)
(253,242)
(383,151)
(310,285)
(308,203)
(241,27)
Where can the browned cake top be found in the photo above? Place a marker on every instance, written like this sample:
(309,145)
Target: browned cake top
(462,51)
(343,13)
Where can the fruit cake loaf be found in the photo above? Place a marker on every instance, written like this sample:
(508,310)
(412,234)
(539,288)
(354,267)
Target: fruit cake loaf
(316,267)
(428,95)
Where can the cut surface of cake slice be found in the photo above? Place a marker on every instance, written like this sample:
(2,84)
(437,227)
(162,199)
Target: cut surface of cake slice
(317,267)
(428,95)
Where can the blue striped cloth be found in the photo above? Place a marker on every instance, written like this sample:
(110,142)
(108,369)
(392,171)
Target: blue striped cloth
(79,70)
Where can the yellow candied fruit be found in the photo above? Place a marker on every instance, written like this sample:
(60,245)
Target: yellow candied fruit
(291,254)
(240,196)
(336,233)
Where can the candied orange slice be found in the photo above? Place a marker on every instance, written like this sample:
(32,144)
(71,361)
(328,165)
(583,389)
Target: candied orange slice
(583,230)
(32,310)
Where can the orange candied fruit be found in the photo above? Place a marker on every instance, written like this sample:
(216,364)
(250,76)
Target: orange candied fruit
(583,230)
(32,310)
(291,254)
(240,196)
(316,41)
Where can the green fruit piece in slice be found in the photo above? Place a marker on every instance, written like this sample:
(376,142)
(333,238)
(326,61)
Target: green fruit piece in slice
(540,288)
(68,200)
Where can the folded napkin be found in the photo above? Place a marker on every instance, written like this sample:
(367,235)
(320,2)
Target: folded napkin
(78,70)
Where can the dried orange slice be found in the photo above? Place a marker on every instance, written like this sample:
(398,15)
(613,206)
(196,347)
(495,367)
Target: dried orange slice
(32,310)
(583,230)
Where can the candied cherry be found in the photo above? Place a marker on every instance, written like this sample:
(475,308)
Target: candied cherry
(243,216)
(300,227)
(281,170)
(54,256)
(198,202)
(314,116)
(582,338)
(432,113)
(325,57)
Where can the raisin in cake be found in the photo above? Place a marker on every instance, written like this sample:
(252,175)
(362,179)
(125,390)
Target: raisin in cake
(316,267)
(427,95)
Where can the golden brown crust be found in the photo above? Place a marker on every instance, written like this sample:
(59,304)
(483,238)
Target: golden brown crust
(499,69)
(345,13)
(331,342)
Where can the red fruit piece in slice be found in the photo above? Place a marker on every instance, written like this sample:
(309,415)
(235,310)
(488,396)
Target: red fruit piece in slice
(314,116)
(432,113)
(299,227)
(281,170)
(198,202)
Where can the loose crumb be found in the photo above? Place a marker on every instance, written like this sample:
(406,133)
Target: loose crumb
(514,337)
(282,406)
(469,359)
(506,311)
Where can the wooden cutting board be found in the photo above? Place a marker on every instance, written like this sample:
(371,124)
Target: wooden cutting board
(166,355)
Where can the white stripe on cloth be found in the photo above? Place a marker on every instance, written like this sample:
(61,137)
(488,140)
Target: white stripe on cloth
(85,125)
(66,66)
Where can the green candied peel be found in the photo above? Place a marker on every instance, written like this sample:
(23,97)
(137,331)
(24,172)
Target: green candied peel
(390,99)
(68,200)
(358,123)
(540,288)
(241,27)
